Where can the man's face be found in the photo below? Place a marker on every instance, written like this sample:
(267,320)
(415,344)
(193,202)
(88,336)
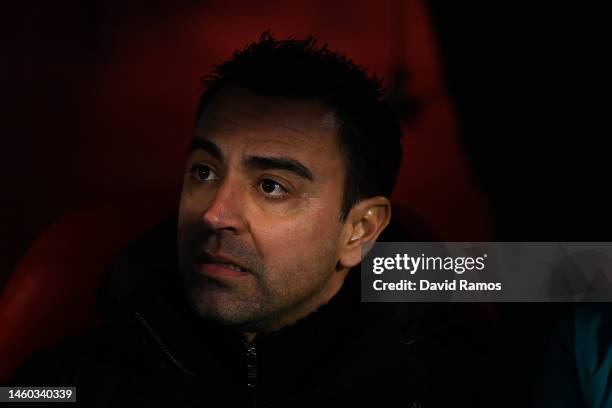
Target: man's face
(259,219)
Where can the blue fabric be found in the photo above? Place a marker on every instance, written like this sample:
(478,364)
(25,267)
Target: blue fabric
(578,372)
(593,351)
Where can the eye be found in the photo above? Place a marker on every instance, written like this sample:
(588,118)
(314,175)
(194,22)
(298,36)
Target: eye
(203,173)
(272,188)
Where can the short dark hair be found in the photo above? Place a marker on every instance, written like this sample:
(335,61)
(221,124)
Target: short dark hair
(370,132)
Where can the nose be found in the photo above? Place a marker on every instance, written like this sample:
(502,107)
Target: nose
(226,211)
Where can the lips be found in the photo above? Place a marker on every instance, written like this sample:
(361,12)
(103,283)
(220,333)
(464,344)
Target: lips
(216,262)
(232,267)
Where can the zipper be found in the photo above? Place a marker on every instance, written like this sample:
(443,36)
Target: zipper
(251,360)
(251,357)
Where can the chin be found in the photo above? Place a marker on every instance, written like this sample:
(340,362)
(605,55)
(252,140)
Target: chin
(221,308)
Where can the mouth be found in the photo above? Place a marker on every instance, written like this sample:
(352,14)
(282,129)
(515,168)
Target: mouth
(231,266)
(218,266)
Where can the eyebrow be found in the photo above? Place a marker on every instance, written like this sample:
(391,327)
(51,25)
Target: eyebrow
(280,163)
(206,145)
(254,162)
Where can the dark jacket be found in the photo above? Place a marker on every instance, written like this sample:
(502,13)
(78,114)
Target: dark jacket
(152,351)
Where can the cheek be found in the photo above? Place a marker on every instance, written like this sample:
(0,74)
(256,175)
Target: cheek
(193,203)
(190,212)
(308,223)
(311,237)
(189,208)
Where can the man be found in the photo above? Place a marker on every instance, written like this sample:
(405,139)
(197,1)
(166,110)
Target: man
(273,214)
(287,182)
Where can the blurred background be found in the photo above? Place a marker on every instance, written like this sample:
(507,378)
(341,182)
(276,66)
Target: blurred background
(506,105)
(507,141)
(103,97)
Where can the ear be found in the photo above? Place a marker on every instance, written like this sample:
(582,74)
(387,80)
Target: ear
(364,223)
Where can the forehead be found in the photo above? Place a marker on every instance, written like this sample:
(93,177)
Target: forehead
(238,119)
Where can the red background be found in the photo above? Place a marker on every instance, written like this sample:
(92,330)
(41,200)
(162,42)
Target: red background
(104,95)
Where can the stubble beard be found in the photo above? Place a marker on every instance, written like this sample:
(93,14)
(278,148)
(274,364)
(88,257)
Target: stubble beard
(257,304)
